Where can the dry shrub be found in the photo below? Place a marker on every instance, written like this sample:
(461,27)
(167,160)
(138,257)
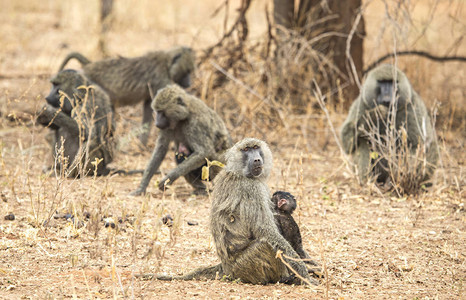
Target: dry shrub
(258,84)
(84,113)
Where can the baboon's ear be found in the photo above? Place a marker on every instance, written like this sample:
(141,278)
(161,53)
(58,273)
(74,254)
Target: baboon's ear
(180,101)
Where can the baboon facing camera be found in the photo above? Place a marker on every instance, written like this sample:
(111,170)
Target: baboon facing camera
(388,130)
(81,118)
(129,81)
(198,133)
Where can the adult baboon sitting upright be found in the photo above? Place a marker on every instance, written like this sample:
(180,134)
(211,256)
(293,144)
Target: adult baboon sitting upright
(242,221)
(81,118)
(129,81)
(388,129)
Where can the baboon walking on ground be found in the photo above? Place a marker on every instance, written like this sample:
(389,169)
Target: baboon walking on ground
(81,118)
(388,112)
(129,81)
(198,133)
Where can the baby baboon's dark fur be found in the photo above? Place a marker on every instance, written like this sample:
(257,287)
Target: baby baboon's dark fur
(284,205)
(129,81)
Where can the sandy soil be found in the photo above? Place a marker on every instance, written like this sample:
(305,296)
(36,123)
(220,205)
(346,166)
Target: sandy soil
(372,245)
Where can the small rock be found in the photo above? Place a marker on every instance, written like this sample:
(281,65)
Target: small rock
(193,223)
(168,220)
(10,217)
(110,224)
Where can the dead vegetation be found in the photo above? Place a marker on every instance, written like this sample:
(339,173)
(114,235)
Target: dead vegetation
(86,238)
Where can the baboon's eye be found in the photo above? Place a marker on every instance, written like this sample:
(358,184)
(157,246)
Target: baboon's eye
(179,101)
(256,147)
(245,149)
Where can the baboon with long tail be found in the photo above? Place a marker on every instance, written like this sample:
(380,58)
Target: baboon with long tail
(129,81)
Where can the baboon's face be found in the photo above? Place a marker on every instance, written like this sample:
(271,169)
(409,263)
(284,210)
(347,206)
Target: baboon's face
(386,92)
(64,89)
(170,109)
(250,158)
(185,81)
(253,161)
(387,86)
(284,202)
(161,120)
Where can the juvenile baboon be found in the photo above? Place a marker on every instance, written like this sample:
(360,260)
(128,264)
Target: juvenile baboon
(242,223)
(81,118)
(388,112)
(197,131)
(284,205)
(129,81)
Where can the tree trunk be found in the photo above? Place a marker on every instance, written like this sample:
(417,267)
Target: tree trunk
(335,18)
(106,7)
(283,12)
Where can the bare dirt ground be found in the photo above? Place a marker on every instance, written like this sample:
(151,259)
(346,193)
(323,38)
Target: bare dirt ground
(372,245)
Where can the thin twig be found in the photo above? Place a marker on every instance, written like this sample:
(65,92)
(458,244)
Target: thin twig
(417,53)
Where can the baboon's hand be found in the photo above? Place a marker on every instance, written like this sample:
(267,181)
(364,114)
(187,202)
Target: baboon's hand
(138,192)
(45,114)
(379,112)
(166,181)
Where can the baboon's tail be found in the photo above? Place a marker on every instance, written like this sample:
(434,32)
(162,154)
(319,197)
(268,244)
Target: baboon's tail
(204,273)
(76,55)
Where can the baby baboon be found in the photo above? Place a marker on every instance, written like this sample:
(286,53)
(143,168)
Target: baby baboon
(81,118)
(181,154)
(129,81)
(197,131)
(388,102)
(284,205)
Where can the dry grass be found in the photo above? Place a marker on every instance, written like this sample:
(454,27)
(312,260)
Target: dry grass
(373,245)
(408,168)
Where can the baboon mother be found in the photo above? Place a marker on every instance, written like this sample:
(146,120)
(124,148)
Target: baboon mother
(197,130)
(242,221)
(81,118)
(129,81)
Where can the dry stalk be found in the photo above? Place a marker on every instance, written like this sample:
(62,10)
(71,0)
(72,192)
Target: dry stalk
(281,256)
(320,100)
(392,153)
